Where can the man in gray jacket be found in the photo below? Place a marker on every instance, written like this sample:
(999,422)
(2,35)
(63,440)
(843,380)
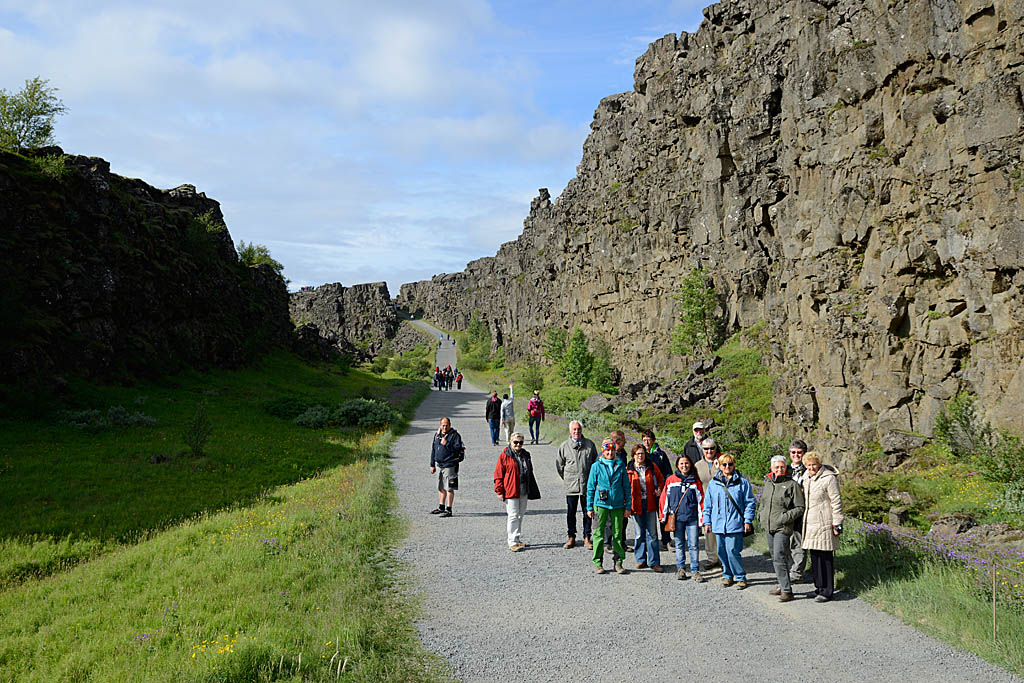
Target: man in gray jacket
(575,456)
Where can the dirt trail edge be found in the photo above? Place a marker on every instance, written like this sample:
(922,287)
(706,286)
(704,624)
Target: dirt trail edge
(543,615)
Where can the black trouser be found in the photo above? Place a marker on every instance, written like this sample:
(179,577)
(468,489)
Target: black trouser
(571,503)
(824,569)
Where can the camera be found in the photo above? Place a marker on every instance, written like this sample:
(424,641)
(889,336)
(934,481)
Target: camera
(602,496)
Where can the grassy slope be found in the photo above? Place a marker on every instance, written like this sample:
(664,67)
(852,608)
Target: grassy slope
(255,576)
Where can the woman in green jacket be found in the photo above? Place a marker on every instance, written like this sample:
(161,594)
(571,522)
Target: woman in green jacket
(782,504)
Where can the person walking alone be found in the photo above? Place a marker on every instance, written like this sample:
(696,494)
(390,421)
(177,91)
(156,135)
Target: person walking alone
(535,410)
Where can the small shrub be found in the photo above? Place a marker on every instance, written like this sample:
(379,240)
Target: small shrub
(1005,462)
(961,429)
(197,431)
(578,360)
(562,400)
(51,165)
(1011,500)
(314,417)
(753,457)
(866,499)
(595,425)
(532,377)
(361,412)
(602,374)
(380,364)
(700,328)
(476,359)
(411,367)
(94,421)
(287,407)
(555,343)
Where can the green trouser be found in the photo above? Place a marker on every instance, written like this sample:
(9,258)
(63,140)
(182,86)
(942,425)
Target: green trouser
(618,520)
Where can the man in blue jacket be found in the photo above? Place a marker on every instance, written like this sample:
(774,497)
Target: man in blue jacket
(445,455)
(609,496)
(729,512)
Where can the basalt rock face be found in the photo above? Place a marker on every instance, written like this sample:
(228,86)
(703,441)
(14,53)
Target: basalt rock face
(849,173)
(360,316)
(109,277)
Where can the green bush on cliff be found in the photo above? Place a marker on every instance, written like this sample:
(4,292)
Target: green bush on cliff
(253,254)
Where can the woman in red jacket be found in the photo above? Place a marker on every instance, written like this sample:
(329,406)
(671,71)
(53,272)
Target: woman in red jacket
(646,482)
(515,484)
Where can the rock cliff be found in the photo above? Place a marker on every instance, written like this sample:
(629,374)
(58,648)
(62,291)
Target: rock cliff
(849,173)
(107,276)
(360,316)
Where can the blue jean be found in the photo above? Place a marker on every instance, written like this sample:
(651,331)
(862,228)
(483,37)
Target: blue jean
(729,547)
(535,436)
(493,424)
(647,545)
(686,535)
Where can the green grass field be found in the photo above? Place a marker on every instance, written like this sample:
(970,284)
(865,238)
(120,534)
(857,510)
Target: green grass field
(268,558)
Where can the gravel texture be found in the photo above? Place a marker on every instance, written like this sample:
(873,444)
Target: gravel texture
(543,615)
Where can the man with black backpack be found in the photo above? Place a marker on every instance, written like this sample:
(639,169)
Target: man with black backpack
(445,455)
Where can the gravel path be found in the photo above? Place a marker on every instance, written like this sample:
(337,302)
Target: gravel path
(538,615)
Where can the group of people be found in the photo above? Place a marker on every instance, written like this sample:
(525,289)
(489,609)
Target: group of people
(700,493)
(444,378)
(503,411)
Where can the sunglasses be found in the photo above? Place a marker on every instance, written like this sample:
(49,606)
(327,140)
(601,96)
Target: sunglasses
(517,443)
(796,452)
(728,464)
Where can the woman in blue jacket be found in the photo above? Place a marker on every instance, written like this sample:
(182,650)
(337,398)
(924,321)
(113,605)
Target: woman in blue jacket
(609,496)
(729,513)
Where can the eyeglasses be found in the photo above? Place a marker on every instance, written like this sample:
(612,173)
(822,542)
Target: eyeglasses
(517,443)
(796,452)
(728,464)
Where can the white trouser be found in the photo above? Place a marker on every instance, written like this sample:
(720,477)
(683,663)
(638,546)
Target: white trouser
(510,426)
(516,508)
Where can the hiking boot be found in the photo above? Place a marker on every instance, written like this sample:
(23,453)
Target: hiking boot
(785,597)
(598,569)
(821,598)
(609,549)
(698,578)
(726,583)
(775,591)
(515,548)
(619,569)
(571,543)
(664,546)
(740,585)
(681,574)
(656,568)
(446,513)
(436,511)
(588,543)
(641,565)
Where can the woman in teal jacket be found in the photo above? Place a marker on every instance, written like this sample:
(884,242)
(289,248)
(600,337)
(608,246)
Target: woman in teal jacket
(608,495)
(729,513)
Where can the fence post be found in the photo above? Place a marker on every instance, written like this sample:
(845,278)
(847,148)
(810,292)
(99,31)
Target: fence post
(993,602)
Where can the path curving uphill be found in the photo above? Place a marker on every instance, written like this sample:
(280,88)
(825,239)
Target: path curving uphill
(543,615)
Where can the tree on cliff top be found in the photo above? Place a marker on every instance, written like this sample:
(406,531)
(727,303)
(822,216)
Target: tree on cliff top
(26,117)
(699,328)
(253,254)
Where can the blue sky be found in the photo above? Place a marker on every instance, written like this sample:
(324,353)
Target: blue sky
(359,142)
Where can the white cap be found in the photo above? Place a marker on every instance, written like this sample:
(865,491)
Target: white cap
(699,425)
